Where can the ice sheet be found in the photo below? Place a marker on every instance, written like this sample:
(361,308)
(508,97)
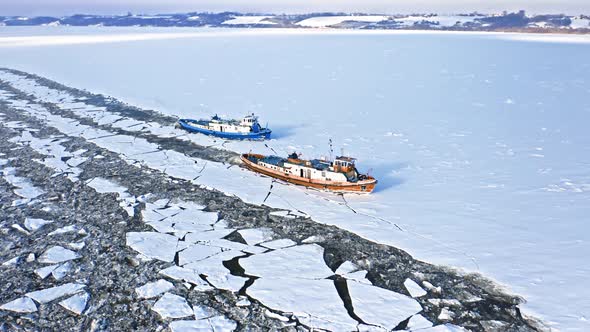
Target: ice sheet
(453,158)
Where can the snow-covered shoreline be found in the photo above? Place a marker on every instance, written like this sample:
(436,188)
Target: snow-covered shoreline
(63,36)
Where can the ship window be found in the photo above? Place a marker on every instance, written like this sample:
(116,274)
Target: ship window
(363,188)
(324,174)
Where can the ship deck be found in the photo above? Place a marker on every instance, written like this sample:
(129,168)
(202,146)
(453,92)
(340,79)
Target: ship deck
(204,122)
(279,161)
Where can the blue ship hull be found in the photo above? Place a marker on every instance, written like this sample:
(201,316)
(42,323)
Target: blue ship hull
(262,134)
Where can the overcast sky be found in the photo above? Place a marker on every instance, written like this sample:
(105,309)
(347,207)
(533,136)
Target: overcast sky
(67,7)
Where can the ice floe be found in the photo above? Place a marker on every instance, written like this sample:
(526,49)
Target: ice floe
(61,271)
(358,276)
(314,303)
(53,293)
(56,158)
(127,201)
(188,275)
(224,280)
(12,261)
(77,245)
(278,244)
(67,229)
(34,224)
(305,261)
(172,306)
(24,188)
(154,245)
(20,305)
(203,312)
(256,235)
(43,272)
(206,236)
(216,273)
(153,289)
(346,267)
(76,303)
(413,288)
(379,306)
(197,252)
(418,322)
(57,254)
(179,219)
(217,323)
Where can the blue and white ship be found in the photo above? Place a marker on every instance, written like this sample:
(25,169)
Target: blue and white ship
(247,128)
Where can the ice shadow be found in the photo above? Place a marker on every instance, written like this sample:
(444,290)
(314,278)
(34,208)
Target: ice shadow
(279,132)
(385,173)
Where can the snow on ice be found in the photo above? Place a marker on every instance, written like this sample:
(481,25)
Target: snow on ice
(382,307)
(22,305)
(217,323)
(53,293)
(34,224)
(172,306)
(460,175)
(106,186)
(76,303)
(153,289)
(154,245)
(305,261)
(315,303)
(57,254)
(256,235)
(413,288)
(188,275)
(278,244)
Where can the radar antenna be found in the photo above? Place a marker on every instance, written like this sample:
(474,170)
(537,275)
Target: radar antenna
(331,150)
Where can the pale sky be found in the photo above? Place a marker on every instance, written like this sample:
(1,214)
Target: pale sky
(67,7)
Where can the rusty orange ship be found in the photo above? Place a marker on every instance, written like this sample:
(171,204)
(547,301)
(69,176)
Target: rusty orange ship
(339,175)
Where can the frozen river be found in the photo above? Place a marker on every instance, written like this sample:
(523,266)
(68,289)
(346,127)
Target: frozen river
(480,141)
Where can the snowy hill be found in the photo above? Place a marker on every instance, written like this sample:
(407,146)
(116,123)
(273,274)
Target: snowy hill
(473,21)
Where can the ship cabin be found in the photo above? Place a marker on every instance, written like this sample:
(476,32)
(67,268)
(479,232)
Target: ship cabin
(340,170)
(343,164)
(249,120)
(248,124)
